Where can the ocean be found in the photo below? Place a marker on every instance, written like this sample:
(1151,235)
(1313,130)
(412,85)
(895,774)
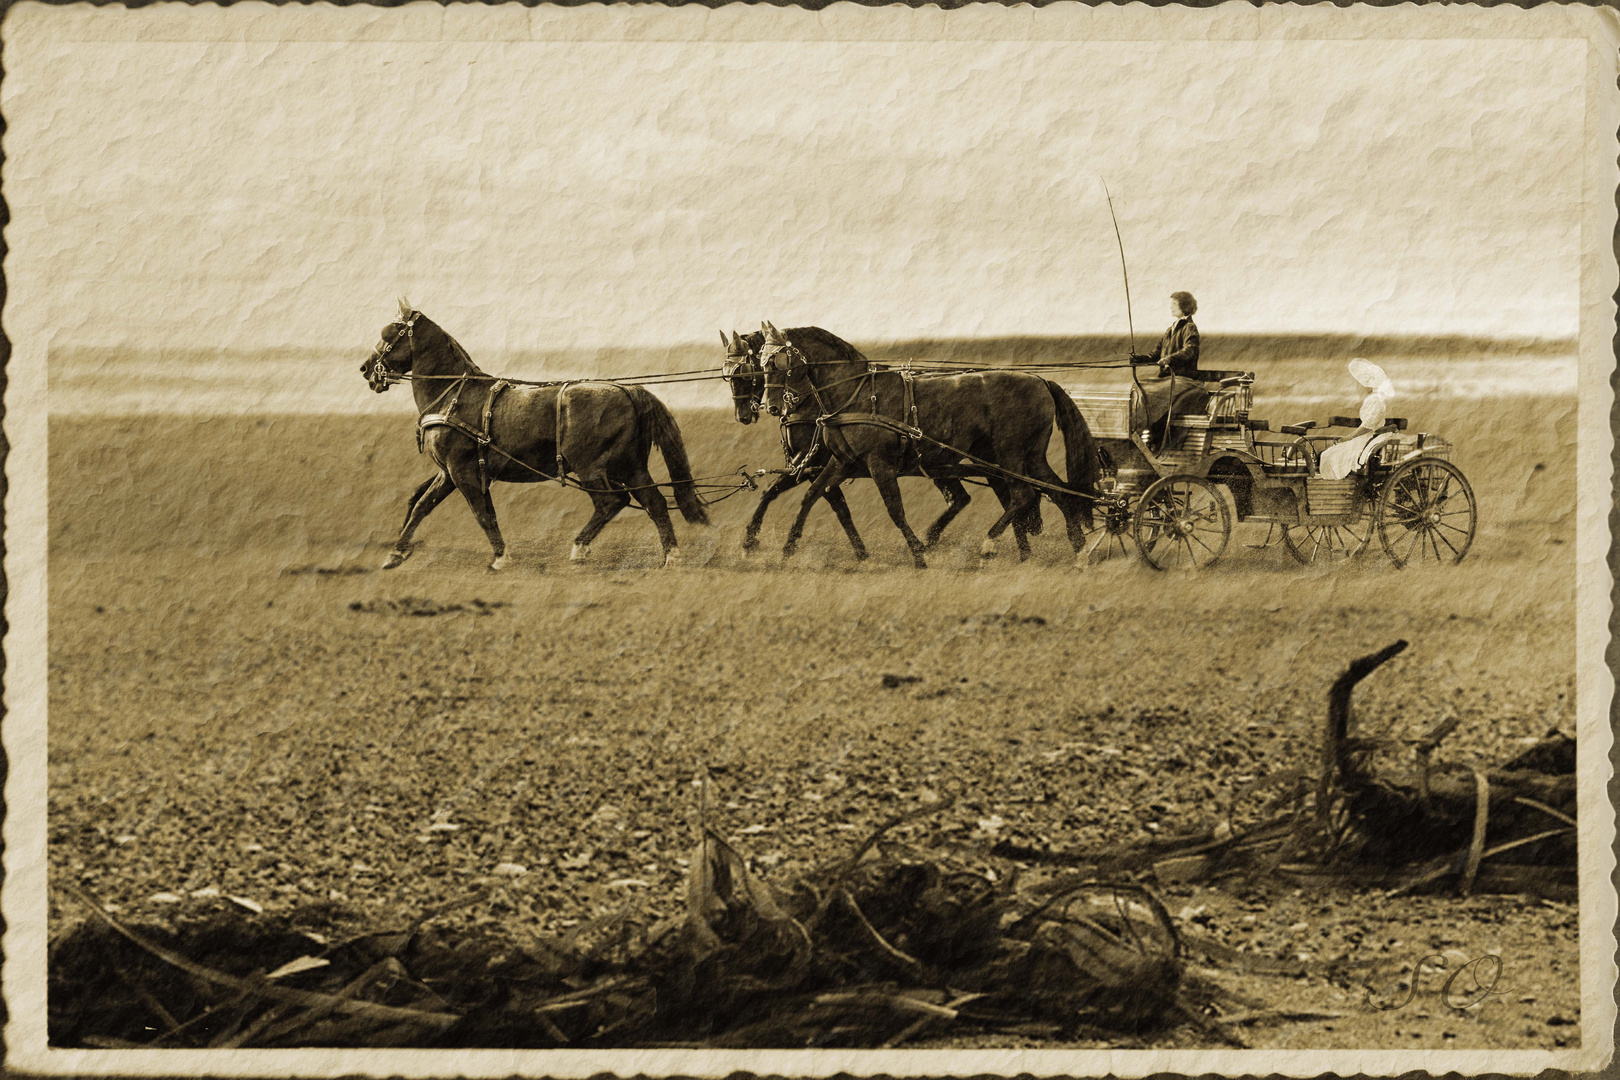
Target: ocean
(1289,369)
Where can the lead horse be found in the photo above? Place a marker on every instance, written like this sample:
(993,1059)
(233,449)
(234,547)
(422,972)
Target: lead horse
(478,429)
(806,455)
(889,421)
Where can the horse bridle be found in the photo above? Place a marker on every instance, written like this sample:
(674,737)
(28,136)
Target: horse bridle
(745,363)
(790,400)
(379,371)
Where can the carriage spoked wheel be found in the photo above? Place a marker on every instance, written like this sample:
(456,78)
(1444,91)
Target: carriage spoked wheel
(1426,512)
(1113,533)
(1182,523)
(1328,545)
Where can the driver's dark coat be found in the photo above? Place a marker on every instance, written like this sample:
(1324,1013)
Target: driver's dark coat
(1178,349)
(1178,391)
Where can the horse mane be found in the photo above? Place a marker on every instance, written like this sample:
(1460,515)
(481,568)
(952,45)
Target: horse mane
(465,359)
(455,345)
(815,335)
(810,336)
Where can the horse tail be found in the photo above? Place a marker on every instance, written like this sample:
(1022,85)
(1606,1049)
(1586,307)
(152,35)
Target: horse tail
(667,437)
(1079,449)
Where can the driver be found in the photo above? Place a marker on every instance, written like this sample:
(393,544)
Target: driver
(1177,389)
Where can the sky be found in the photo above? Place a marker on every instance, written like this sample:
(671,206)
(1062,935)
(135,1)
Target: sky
(538,195)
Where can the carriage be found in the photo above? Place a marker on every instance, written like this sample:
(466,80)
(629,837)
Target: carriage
(1177,501)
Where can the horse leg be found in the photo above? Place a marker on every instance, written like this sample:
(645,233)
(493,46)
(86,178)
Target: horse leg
(835,499)
(410,503)
(1021,496)
(1069,504)
(1005,496)
(483,508)
(956,500)
(887,478)
(830,476)
(427,496)
(1021,529)
(652,500)
(1020,525)
(751,535)
(607,504)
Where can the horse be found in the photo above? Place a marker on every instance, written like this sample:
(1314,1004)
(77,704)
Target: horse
(887,421)
(806,456)
(478,429)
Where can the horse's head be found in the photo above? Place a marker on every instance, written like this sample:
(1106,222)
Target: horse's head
(744,375)
(395,352)
(779,361)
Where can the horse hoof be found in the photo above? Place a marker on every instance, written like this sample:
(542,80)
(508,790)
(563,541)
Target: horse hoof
(580,553)
(920,563)
(497,562)
(395,558)
(987,550)
(861,555)
(672,557)
(787,552)
(750,545)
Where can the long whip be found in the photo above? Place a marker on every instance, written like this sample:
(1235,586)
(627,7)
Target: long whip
(1122,267)
(1129,322)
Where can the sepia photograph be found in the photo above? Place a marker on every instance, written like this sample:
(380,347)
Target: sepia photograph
(673,540)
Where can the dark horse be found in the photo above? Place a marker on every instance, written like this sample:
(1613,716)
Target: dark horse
(806,456)
(891,421)
(478,429)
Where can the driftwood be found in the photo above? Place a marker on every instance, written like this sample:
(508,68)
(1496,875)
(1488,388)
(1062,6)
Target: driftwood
(1395,815)
(1364,819)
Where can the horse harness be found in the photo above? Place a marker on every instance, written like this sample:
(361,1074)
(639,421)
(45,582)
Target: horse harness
(447,418)
(481,435)
(910,434)
(377,370)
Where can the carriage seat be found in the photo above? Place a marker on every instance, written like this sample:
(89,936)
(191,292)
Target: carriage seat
(1118,414)
(1231,395)
(1353,422)
(1219,379)
(1349,422)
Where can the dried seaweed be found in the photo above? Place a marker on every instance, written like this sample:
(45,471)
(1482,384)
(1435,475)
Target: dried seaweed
(874,949)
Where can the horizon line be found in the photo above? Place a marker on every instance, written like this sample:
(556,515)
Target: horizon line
(1385,339)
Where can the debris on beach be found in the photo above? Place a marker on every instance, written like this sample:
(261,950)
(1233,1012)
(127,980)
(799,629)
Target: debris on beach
(875,949)
(1378,812)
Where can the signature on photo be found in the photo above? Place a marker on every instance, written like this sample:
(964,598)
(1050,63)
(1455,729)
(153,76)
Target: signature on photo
(1471,983)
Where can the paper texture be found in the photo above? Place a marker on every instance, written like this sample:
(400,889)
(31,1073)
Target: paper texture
(213,691)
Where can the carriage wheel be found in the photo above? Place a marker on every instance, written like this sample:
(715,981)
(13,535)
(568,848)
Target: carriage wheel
(1182,523)
(1426,511)
(1328,545)
(1114,532)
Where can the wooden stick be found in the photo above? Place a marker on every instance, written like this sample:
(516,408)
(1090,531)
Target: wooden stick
(917,1025)
(911,962)
(1338,722)
(1545,809)
(1476,848)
